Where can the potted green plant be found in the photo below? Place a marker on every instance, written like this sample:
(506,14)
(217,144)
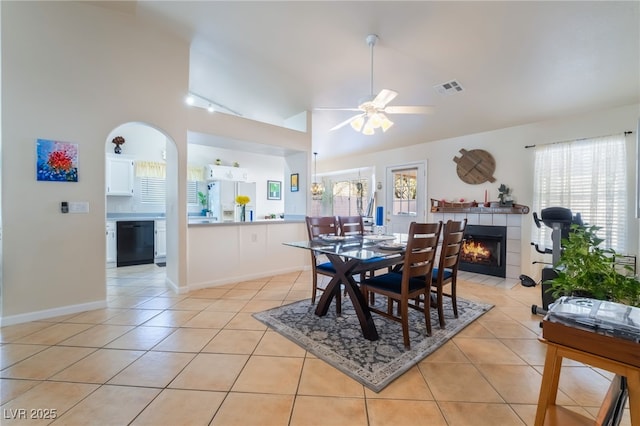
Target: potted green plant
(587,270)
(202,198)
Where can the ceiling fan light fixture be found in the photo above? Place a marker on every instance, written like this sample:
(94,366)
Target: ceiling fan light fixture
(375,120)
(385,123)
(358,123)
(371,108)
(368,129)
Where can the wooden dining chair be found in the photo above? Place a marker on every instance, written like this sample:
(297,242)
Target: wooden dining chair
(409,284)
(354,225)
(317,226)
(446,273)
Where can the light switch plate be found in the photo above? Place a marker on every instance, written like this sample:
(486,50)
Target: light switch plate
(78,207)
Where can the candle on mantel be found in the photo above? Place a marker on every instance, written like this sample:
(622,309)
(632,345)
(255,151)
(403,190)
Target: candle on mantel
(485,196)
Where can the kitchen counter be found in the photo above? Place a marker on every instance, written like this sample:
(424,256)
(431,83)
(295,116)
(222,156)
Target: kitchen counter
(135,216)
(203,221)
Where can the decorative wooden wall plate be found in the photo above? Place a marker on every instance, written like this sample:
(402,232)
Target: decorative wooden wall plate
(475,166)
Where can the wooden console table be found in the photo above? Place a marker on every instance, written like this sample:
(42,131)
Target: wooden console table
(550,414)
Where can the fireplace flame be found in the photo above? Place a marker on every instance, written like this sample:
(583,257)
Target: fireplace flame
(475,251)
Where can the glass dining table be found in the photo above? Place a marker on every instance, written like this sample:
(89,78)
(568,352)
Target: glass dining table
(351,256)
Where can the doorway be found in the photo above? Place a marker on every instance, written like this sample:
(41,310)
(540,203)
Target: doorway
(138,174)
(405,196)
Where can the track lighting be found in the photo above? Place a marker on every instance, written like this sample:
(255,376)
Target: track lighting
(199,101)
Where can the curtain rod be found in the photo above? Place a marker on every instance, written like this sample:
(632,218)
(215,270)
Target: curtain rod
(626,133)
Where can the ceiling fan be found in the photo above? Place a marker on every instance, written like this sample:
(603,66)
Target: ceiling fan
(372,109)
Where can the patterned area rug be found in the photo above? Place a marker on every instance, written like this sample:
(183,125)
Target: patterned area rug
(338,340)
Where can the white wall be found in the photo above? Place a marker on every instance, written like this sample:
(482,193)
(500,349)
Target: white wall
(514,163)
(73,72)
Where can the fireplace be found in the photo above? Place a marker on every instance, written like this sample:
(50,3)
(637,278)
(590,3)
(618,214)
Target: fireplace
(484,250)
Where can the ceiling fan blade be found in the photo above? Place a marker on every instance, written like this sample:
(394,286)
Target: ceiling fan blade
(345,122)
(424,109)
(384,97)
(335,109)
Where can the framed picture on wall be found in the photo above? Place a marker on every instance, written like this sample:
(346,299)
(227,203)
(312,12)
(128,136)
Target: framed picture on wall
(274,190)
(294,182)
(56,161)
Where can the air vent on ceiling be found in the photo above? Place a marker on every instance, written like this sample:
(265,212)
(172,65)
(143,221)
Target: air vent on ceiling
(449,88)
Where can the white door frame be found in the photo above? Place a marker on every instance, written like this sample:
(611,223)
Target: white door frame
(400,223)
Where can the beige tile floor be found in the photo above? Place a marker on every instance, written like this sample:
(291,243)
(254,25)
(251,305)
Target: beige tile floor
(156,358)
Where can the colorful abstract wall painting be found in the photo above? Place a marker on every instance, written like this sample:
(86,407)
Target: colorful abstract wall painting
(56,161)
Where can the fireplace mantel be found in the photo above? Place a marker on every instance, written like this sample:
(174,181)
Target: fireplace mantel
(494,208)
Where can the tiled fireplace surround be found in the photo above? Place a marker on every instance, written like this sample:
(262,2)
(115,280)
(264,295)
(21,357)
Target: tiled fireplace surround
(513,222)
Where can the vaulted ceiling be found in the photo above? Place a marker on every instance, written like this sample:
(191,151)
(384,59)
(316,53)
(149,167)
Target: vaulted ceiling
(518,62)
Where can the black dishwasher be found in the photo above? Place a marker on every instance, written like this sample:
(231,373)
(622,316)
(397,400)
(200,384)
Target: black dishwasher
(135,239)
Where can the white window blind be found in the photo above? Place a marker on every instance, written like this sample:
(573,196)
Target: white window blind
(192,192)
(587,176)
(152,190)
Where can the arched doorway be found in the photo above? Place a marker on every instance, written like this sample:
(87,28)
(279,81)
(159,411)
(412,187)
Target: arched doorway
(136,204)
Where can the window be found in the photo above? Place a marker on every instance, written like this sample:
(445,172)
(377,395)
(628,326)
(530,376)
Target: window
(587,176)
(346,194)
(350,197)
(404,192)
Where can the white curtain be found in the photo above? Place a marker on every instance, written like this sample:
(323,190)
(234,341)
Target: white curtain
(195,173)
(151,169)
(154,169)
(587,176)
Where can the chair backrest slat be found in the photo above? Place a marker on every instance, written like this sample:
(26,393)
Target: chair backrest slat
(422,243)
(453,237)
(321,225)
(351,225)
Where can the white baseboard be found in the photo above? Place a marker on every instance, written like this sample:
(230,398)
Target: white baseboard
(51,313)
(238,278)
(176,289)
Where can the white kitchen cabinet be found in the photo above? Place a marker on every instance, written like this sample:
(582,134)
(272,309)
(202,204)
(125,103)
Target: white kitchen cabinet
(213,172)
(160,246)
(112,245)
(119,176)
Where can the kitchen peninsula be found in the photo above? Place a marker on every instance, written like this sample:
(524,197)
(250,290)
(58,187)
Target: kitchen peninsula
(226,252)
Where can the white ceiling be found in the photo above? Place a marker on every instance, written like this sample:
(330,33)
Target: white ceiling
(519,62)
